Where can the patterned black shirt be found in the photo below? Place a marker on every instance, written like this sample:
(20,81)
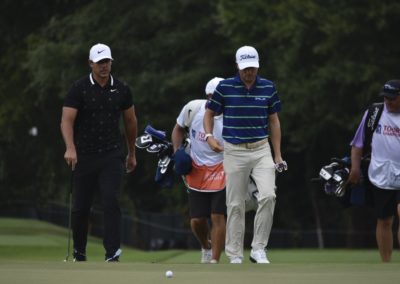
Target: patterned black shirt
(96,128)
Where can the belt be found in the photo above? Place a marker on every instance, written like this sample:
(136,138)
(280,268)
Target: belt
(252,145)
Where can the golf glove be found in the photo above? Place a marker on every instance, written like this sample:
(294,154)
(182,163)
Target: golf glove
(280,167)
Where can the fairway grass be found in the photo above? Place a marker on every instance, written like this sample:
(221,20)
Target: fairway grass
(33,252)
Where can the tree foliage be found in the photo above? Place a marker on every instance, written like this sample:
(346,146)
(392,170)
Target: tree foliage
(328,59)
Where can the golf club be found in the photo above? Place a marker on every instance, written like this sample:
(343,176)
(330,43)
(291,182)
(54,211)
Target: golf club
(70,215)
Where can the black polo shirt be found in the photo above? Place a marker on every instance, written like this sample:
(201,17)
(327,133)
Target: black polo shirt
(96,128)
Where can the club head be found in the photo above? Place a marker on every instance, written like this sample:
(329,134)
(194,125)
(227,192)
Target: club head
(154,148)
(334,176)
(163,162)
(144,141)
(326,172)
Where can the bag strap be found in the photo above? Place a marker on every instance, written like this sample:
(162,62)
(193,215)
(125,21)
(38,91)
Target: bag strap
(191,109)
(371,122)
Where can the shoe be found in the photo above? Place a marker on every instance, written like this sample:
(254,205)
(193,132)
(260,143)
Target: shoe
(115,257)
(213,261)
(206,255)
(258,256)
(79,256)
(236,260)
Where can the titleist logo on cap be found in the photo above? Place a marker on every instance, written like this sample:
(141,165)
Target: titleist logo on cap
(247,56)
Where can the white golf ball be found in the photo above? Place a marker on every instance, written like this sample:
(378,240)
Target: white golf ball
(169,274)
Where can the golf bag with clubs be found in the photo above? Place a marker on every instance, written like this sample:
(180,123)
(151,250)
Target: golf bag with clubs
(333,178)
(334,175)
(156,142)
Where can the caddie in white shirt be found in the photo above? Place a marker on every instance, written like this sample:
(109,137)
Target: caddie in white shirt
(384,169)
(206,180)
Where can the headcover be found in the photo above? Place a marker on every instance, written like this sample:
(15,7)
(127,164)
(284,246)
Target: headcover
(164,175)
(144,141)
(156,134)
(183,161)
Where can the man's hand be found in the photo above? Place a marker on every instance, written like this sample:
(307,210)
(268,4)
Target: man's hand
(71,158)
(354,176)
(214,144)
(281,166)
(130,163)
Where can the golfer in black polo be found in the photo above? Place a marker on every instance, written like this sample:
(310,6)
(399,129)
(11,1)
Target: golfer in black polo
(90,128)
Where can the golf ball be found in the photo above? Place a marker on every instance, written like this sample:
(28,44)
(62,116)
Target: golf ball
(169,274)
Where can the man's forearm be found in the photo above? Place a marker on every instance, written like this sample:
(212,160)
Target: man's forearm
(208,121)
(275,137)
(178,133)
(356,155)
(67,131)
(131,133)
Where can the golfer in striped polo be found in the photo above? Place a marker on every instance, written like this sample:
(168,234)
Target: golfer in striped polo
(250,107)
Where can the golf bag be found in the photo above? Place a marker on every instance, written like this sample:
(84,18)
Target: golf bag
(155,142)
(333,178)
(334,175)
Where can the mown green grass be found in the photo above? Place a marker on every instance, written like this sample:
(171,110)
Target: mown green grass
(33,252)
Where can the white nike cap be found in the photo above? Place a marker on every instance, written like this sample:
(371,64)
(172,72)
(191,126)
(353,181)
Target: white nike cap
(247,56)
(99,51)
(212,84)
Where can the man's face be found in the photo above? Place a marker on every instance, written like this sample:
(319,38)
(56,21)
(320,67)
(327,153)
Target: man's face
(248,75)
(393,104)
(101,68)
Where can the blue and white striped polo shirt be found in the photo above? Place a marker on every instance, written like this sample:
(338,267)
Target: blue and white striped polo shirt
(245,112)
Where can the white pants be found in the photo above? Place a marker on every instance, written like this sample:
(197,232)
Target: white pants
(239,163)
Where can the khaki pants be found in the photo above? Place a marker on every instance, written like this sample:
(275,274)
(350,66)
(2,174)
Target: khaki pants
(241,161)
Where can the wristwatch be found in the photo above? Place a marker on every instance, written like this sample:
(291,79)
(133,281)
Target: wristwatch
(208,135)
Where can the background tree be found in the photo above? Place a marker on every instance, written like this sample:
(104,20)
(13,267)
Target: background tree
(328,59)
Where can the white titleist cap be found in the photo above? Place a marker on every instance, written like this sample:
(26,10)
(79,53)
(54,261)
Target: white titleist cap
(247,56)
(212,84)
(99,51)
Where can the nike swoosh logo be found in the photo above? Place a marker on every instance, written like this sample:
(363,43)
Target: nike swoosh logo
(100,51)
(113,90)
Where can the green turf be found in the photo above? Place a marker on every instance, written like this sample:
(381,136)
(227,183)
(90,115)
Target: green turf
(33,252)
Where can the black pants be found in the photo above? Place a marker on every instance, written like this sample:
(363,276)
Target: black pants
(100,173)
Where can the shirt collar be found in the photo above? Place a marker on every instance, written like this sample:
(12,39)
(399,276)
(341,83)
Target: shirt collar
(93,81)
(238,80)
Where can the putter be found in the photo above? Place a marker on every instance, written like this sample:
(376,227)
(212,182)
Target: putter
(70,216)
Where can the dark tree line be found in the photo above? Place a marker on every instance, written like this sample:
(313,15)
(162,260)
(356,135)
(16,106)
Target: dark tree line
(328,59)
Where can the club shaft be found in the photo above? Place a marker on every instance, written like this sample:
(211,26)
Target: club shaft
(70,216)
